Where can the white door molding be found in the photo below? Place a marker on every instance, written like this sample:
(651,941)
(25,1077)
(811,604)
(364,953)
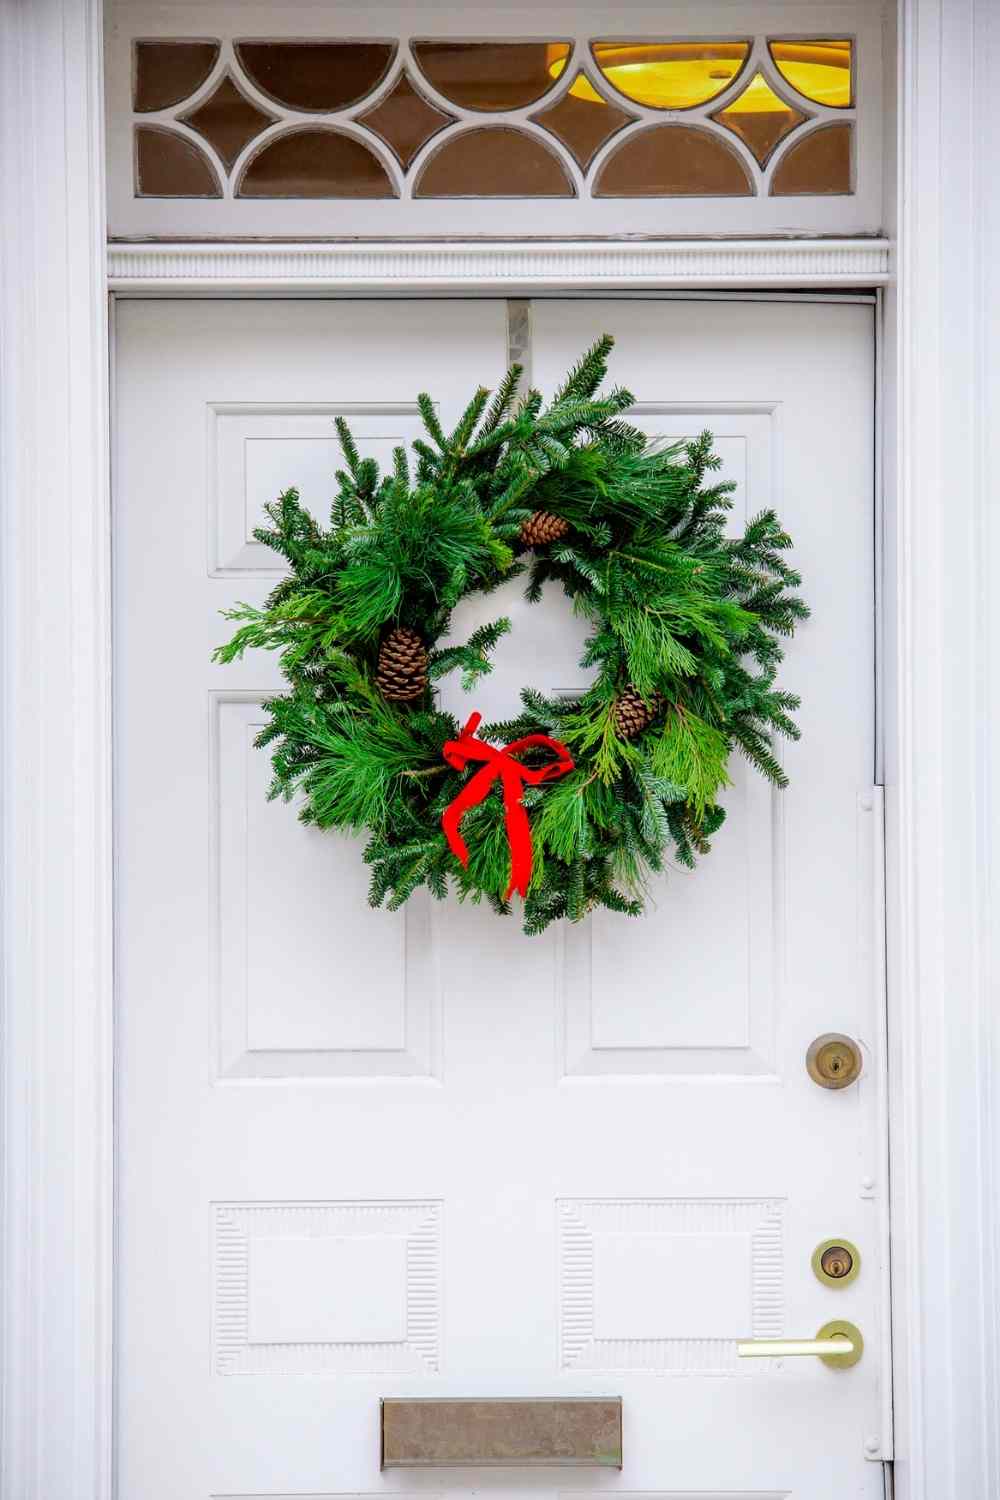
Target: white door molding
(943,554)
(943,551)
(57,1166)
(508,267)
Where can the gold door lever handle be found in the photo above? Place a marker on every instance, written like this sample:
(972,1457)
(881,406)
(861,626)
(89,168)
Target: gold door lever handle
(838,1344)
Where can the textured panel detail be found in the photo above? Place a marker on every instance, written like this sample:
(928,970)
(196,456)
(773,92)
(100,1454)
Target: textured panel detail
(625,1239)
(271,1339)
(553,264)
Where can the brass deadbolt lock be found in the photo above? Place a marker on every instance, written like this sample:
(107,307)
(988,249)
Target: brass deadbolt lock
(836,1262)
(834,1061)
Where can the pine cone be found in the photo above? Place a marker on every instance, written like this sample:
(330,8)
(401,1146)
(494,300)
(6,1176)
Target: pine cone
(633,713)
(543,527)
(402,666)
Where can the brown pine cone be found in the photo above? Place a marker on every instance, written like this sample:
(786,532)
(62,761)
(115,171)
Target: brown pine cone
(402,666)
(632,712)
(543,527)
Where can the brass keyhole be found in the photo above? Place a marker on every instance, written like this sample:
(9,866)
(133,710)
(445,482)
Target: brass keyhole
(836,1262)
(834,1061)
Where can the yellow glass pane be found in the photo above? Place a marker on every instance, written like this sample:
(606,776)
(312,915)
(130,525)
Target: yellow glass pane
(759,117)
(670,75)
(820,71)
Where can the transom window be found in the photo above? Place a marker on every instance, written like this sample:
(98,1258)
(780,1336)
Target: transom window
(454,118)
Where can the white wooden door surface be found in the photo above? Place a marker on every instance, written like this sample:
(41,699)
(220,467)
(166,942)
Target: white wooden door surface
(366,1155)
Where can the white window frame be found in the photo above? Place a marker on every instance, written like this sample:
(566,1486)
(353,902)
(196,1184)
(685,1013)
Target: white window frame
(939,394)
(575,21)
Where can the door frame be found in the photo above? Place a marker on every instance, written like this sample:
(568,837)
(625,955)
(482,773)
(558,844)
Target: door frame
(937,394)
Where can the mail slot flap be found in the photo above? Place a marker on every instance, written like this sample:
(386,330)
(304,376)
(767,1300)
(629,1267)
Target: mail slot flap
(514,1433)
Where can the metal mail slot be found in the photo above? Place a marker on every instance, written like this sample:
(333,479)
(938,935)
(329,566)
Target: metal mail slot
(549,1434)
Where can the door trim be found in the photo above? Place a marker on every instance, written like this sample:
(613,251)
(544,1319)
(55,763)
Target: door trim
(942,634)
(506,268)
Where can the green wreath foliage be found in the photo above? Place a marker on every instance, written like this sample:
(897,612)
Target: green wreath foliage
(683,617)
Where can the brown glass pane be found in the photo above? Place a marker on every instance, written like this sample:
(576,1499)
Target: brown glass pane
(492,75)
(316,76)
(164,73)
(819,163)
(314,163)
(670,75)
(495,161)
(759,117)
(583,120)
(228,120)
(405,120)
(169,166)
(670,161)
(821,71)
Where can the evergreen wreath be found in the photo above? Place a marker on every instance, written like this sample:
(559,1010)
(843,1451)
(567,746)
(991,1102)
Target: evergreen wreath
(686,627)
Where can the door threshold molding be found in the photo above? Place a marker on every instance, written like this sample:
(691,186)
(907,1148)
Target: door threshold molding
(529,266)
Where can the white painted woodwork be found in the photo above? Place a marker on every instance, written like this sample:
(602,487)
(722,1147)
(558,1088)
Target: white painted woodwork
(943,751)
(56,1049)
(507,267)
(860,212)
(440,1157)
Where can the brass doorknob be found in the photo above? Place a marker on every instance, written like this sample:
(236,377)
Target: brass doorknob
(837,1344)
(834,1061)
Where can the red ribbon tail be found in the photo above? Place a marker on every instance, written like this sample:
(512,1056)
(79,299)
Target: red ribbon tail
(518,836)
(472,793)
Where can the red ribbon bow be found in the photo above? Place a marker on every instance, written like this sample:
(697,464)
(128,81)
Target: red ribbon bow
(514,777)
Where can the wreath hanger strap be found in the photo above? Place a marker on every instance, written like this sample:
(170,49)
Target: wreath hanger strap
(514,777)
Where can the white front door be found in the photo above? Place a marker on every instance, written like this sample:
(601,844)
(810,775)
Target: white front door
(367,1155)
